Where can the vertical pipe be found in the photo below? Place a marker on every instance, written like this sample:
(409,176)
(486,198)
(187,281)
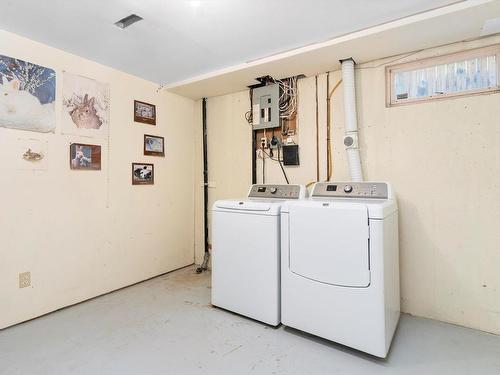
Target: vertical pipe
(254,145)
(328,156)
(204,265)
(254,156)
(329,126)
(205,171)
(351,121)
(317,132)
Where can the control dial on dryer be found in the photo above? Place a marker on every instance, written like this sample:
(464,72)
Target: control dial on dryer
(348,188)
(273,190)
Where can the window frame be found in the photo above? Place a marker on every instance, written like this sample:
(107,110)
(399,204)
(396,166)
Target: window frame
(391,70)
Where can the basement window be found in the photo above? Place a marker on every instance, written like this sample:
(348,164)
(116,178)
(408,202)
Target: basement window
(465,73)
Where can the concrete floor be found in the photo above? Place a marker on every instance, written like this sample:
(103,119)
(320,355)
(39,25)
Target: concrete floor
(167,326)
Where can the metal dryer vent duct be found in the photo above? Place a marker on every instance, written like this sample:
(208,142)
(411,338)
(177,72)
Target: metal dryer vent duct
(351,121)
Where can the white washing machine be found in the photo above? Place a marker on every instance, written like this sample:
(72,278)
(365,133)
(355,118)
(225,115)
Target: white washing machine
(340,265)
(246,251)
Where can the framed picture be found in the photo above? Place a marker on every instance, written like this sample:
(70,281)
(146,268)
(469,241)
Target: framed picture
(27,96)
(144,112)
(85,107)
(143,174)
(154,145)
(86,157)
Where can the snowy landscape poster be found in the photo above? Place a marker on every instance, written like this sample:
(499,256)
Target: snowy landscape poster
(27,96)
(85,106)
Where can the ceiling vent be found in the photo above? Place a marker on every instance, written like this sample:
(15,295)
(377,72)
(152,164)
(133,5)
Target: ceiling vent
(127,21)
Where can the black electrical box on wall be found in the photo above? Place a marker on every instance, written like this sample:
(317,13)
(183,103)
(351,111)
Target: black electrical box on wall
(291,155)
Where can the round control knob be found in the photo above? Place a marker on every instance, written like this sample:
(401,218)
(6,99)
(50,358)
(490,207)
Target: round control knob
(273,190)
(348,188)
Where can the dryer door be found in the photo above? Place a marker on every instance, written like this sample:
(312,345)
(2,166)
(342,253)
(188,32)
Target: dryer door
(329,243)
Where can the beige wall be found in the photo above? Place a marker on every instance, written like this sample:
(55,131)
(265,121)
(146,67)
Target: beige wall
(84,233)
(443,159)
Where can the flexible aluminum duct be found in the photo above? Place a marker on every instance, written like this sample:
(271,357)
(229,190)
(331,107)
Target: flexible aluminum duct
(351,122)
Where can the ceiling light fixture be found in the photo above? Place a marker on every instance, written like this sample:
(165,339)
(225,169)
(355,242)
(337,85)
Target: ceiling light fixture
(127,21)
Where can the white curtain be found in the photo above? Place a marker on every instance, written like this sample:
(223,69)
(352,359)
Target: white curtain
(458,76)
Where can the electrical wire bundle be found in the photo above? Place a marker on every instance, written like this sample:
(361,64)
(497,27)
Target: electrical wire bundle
(288,97)
(278,159)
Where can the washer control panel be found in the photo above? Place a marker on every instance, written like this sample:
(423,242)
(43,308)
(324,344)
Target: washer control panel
(275,191)
(363,190)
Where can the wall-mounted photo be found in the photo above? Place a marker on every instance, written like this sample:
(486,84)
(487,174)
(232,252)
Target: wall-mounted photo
(85,106)
(143,174)
(144,112)
(27,96)
(153,145)
(87,157)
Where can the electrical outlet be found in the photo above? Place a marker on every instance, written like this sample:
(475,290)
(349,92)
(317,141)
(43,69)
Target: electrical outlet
(24,279)
(263,142)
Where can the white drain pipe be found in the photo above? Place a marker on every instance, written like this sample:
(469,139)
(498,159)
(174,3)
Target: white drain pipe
(351,121)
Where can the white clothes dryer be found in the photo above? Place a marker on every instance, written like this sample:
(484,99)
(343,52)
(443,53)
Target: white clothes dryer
(340,264)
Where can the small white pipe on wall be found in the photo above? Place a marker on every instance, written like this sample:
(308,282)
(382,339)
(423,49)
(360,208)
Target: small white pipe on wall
(351,121)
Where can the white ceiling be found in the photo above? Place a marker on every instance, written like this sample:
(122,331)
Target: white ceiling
(181,39)
(457,22)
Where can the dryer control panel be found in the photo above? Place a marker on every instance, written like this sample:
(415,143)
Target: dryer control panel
(363,190)
(276,191)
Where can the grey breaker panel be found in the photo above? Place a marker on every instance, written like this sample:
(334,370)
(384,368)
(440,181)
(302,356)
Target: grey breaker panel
(351,190)
(265,111)
(275,191)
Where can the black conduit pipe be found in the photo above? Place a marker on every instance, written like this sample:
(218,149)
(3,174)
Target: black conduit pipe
(206,258)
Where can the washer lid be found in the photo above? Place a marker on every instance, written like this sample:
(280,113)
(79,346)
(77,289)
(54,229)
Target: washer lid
(248,206)
(329,243)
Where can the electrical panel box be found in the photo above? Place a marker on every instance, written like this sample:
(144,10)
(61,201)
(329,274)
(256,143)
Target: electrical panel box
(265,107)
